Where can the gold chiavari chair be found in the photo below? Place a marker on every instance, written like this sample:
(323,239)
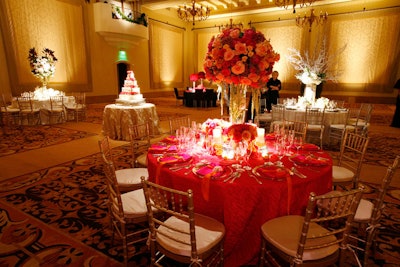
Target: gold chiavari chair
(315,239)
(183,235)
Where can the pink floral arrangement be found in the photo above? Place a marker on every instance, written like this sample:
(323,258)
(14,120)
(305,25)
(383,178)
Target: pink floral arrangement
(242,132)
(210,124)
(240,57)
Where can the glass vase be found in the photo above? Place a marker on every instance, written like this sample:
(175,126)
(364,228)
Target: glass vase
(237,103)
(310,92)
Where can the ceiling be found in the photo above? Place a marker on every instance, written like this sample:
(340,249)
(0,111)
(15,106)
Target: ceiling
(220,7)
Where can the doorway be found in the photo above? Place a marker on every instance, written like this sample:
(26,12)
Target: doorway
(122,68)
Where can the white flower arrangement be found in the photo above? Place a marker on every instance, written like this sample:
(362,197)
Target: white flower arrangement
(43,67)
(315,69)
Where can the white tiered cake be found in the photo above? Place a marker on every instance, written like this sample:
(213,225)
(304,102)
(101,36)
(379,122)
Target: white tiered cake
(130,92)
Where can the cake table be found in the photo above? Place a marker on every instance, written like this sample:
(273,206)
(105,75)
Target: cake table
(118,118)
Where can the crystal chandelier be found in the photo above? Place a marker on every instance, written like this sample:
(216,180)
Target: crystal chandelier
(231,25)
(193,12)
(285,3)
(308,21)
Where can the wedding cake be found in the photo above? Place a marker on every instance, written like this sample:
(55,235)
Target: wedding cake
(130,92)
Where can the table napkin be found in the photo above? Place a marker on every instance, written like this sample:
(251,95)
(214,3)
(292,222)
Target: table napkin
(310,160)
(270,136)
(167,159)
(205,183)
(309,147)
(273,172)
(171,139)
(156,148)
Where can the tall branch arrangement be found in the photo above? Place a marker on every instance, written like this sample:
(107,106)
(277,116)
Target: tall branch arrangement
(318,67)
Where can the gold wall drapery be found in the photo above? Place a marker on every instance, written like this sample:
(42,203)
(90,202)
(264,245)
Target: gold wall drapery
(370,62)
(166,55)
(57,25)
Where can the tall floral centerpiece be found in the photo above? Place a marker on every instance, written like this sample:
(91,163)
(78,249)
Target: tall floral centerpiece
(43,67)
(239,59)
(314,69)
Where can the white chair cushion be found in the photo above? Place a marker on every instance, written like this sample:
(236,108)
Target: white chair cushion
(131,176)
(209,232)
(284,233)
(314,127)
(341,174)
(9,109)
(341,126)
(364,211)
(134,203)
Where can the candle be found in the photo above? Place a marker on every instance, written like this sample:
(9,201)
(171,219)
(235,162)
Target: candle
(217,134)
(260,132)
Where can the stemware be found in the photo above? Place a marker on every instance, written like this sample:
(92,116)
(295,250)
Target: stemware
(279,150)
(298,142)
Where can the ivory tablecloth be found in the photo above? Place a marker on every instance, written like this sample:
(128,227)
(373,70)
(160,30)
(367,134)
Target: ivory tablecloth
(118,118)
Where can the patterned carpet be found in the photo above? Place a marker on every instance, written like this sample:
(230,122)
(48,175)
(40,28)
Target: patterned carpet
(70,199)
(17,140)
(57,216)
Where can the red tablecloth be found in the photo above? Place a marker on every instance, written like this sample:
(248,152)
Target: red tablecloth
(244,205)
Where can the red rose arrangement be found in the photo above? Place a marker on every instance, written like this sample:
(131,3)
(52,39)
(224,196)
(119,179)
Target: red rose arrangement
(240,57)
(242,132)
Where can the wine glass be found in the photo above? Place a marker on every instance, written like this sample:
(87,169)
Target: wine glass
(298,142)
(279,150)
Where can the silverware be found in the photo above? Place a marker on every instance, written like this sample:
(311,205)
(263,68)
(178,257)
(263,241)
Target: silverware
(299,174)
(235,177)
(252,175)
(230,177)
(178,168)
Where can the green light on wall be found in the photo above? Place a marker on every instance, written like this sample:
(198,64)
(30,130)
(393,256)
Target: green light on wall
(122,56)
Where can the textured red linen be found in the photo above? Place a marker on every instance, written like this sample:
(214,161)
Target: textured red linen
(243,206)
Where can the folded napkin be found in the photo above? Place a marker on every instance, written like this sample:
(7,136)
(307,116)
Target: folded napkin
(155,148)
(309,147)
(212,169)
(310,160)
(273,172)
(270,136)
(181,157)
(171,139)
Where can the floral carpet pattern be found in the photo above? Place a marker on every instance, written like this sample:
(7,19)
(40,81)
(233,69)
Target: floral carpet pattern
(58,216)
(17,140)
(70,198)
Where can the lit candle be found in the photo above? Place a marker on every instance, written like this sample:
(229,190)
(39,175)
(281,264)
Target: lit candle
(217,134)
(260,136)
(260,132)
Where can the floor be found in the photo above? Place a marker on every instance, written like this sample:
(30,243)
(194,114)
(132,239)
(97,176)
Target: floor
(27,162)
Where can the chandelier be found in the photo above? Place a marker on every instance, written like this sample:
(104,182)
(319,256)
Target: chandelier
(231,25)
(193,12)
(319,20)
(285,3)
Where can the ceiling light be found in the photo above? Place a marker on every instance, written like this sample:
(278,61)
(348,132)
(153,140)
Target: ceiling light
(308,21)
(286,3)
(194,12)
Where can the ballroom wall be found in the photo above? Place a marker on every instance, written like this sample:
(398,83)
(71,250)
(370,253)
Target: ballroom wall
(175,49)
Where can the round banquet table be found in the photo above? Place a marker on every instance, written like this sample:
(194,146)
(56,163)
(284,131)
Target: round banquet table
(330,117)
(43,105)
(118,118)
(244,205)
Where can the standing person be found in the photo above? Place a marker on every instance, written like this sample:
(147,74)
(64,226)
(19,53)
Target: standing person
(274,86)
(396,116)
